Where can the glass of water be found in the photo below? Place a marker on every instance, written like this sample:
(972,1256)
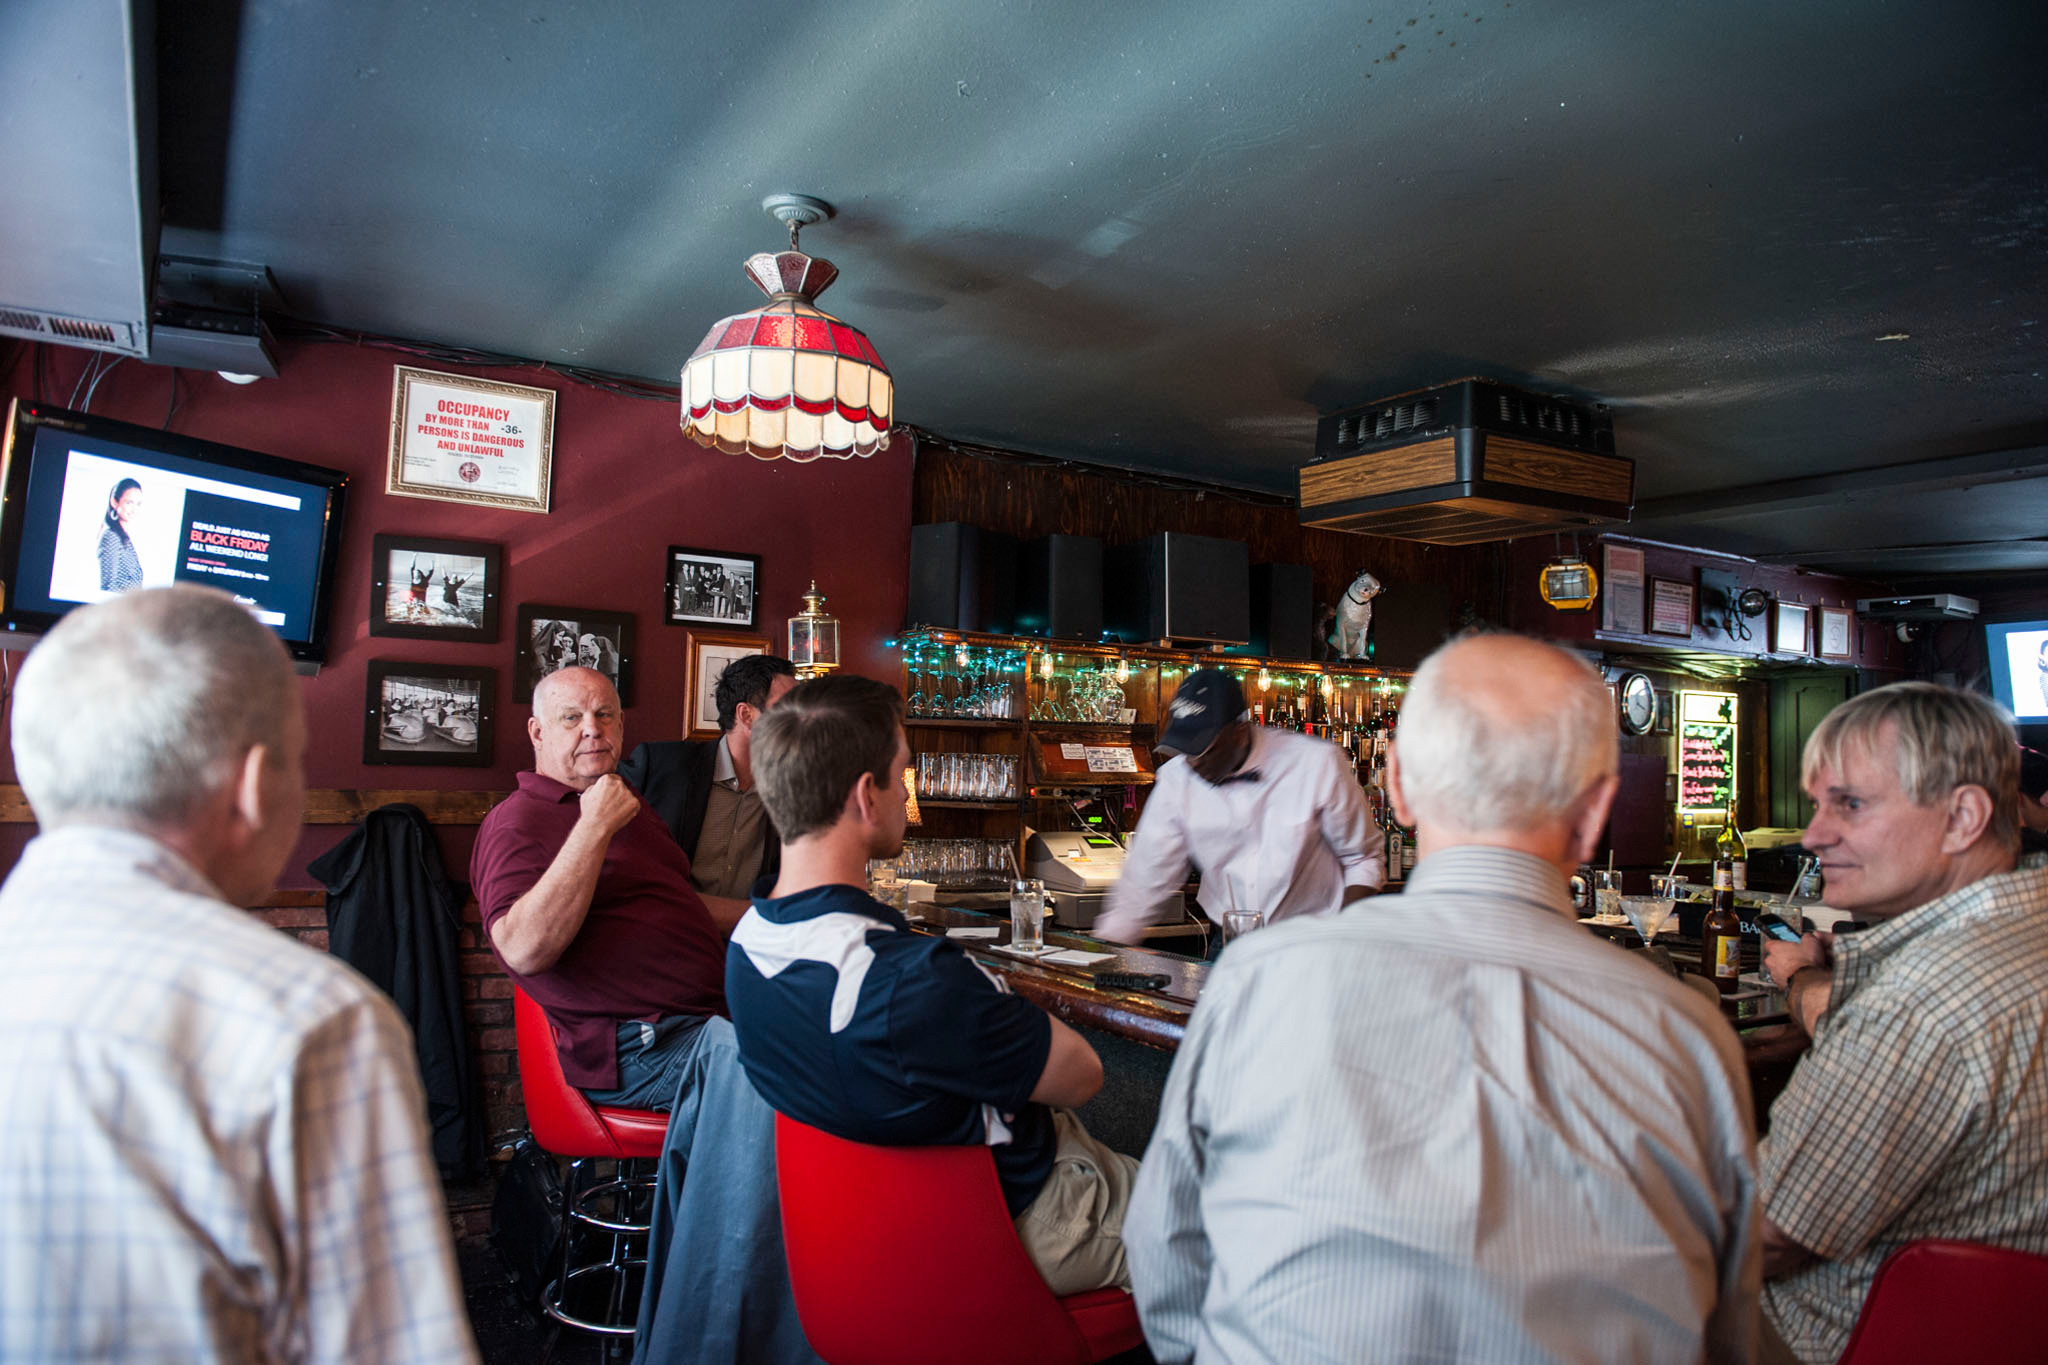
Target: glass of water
(1238,923)
(1607,895)
(1027,914)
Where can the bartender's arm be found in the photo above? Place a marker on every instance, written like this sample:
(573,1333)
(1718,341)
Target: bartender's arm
(1155,868)
(1351,836)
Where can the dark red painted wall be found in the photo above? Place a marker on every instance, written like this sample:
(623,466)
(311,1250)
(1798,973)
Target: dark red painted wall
(626,486)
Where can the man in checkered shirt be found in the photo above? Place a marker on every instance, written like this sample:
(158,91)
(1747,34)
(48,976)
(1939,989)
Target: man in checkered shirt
(1921,1109)
(215,1143)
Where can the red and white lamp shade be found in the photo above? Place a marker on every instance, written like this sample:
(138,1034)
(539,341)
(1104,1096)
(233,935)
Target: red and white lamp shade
(787,381)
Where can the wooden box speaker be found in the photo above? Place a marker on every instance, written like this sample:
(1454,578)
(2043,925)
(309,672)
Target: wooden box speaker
(1059,588)
(1465,464)
(1283,611)
(1180,587)
(962,578)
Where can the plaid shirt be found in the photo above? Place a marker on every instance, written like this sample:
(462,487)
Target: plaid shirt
(1922,1108)
(213,1146)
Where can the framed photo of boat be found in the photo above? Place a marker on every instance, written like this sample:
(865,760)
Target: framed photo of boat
(435,715)
(431,589)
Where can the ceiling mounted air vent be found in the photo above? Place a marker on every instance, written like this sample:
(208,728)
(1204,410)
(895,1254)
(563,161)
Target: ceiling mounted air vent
(1466,463)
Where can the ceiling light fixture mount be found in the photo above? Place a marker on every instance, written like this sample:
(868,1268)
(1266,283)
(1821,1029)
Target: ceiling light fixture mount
(787,381)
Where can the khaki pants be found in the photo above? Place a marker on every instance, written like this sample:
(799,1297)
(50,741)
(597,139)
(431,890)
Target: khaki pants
(1074,1229)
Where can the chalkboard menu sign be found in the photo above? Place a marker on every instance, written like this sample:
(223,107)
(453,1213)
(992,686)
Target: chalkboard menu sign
(1706,751)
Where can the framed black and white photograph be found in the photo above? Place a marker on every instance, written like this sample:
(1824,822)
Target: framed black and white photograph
(433,714)
(712,588)
(424,589)
(707,653)
(559,637)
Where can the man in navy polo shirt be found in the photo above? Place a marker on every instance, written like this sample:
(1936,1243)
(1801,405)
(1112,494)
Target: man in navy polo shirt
(853,1024)
(587,901)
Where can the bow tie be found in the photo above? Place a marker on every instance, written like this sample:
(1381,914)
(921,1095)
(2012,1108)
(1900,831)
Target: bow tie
(1246,775)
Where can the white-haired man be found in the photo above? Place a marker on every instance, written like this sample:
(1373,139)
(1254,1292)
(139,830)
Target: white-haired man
(1921,1108)
(1454,1125)
(214,1146)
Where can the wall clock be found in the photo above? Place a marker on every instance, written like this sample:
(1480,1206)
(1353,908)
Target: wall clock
(1638,697)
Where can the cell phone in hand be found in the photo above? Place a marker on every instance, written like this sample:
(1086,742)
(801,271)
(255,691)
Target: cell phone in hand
(1770,924)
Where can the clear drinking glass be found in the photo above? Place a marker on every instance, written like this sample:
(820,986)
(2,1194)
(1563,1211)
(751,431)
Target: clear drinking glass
(1646,913)
(1027,914)
(1607,895)
(1238,923)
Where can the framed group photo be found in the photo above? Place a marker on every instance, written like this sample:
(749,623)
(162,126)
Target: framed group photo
(709,652)
(425,589)
(712,587)
(552,637)
(428,714)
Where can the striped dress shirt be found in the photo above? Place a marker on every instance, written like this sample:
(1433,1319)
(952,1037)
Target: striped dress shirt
(1921,1109)
(214,1145)
(1449,1126)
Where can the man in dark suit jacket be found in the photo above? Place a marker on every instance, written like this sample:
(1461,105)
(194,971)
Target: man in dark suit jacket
(703,790)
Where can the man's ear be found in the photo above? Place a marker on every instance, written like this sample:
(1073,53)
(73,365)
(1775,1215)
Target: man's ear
(1398,797)
(865,800)
(1589,817)
(533,730)
(1969,816)
(251,785)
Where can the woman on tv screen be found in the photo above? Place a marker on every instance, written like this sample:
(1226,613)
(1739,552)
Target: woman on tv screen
(120,566)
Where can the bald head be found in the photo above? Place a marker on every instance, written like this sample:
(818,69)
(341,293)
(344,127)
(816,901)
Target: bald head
(578,728)
(1501,733)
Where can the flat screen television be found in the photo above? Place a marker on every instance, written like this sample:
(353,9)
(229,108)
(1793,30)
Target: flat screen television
(2017,652)
(90,507)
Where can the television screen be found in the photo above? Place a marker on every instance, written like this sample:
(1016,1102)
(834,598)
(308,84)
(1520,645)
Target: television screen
(94,507)
(2018,656)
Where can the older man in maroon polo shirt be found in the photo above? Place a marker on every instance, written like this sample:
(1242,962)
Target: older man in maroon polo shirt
(586,899)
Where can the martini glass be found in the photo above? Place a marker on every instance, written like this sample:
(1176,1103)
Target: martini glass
(1647,914)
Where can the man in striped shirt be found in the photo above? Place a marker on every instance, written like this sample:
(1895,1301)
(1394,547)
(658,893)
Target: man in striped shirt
(1920,1109)
(214,1145)
(1452,1125)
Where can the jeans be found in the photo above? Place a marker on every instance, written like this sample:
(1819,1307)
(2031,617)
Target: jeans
(652,1060)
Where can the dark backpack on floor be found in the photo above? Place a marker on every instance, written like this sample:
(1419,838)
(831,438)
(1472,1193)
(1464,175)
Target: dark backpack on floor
(526,1220)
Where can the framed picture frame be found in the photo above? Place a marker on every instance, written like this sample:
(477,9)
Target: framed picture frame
(429,714)
(480,441)
(1836,626)
(1665,706)
(552,637)
(1671,606)
(424,588)
(708,652)
(716,588)
(1788,627)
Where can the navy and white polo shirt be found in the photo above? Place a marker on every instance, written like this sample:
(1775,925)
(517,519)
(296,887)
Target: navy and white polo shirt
(853,1024)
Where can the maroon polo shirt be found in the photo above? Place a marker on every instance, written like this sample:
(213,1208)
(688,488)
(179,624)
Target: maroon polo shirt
(647,948)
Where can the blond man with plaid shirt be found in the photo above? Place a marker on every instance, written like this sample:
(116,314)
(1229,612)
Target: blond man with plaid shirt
(1921,1108)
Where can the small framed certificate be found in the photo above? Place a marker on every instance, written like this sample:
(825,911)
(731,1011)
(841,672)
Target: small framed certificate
(1788,628)
(1835,623)
(1671,606)
(480,441)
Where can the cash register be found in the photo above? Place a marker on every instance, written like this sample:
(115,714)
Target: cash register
(1078,867)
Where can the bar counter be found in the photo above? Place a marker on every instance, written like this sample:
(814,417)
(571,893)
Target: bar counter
(1159,1018)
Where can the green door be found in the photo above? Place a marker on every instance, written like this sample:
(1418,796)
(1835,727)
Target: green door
(1797,704)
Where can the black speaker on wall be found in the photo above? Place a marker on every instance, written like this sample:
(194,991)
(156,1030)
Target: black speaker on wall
(962,578)
(1059,587)
(1174,586)
(1283,611)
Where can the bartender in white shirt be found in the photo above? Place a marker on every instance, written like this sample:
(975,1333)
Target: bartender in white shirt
(1274,820)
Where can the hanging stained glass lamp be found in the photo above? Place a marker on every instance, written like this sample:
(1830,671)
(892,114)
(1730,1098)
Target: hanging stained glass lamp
(788,381)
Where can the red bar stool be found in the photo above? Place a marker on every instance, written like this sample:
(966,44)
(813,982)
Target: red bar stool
(1945,1300)
(566,1123)
(907,1256)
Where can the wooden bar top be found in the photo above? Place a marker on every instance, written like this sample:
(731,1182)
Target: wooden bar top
(1154,1018)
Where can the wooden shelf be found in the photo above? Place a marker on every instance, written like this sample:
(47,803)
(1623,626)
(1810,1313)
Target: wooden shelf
(935,803)
(957,723)
(1077,726)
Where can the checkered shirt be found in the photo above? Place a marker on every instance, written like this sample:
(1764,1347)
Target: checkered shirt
(213,1145)
(1922,1108)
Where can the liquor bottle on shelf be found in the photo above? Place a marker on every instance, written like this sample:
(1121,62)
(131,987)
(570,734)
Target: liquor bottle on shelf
(1731,847)
(1395,845)
(1721,933)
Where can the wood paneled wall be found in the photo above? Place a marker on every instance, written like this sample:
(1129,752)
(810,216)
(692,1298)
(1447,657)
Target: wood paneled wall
(1026,499)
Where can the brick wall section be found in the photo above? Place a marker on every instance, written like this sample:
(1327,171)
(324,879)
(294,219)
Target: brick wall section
(486,1004)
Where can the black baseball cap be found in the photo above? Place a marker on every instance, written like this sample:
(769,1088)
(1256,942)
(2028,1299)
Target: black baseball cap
(1207,701)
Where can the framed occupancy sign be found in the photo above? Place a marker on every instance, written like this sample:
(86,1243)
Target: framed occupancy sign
(480,441)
